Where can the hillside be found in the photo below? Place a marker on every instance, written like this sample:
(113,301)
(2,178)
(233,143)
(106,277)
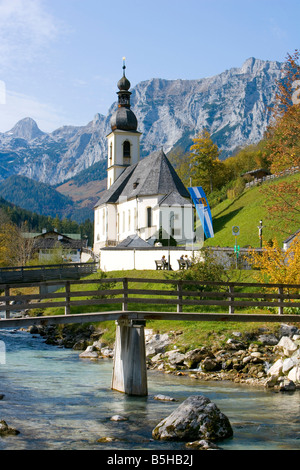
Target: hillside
(85,188)
(246,211)
(42,199)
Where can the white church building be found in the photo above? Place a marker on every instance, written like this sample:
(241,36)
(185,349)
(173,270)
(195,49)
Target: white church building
(145,200)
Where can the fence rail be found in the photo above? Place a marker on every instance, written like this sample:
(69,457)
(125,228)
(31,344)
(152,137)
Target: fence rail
(46,272)
(181,295)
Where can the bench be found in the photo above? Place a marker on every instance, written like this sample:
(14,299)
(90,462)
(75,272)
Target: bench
(160,264)
(182,264)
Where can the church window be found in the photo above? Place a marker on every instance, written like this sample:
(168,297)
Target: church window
(172,218)
(129,220)
(110,154)
(103,222)
(126,152)
(149,216)
(135,218)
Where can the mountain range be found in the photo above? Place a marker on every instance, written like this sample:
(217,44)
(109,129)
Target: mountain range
(235,107)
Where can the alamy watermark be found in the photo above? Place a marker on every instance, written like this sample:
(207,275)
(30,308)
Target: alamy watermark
(2,353)
(296,93)
(2,92)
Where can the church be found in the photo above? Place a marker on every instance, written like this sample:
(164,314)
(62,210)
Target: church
(145,200)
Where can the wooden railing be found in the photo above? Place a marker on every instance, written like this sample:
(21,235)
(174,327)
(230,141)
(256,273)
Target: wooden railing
(46,272)
(182,296)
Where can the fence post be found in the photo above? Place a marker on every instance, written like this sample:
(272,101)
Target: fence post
(7,312)
(231,298)
(280,292)
(67,307)
(179,297)
(125,295)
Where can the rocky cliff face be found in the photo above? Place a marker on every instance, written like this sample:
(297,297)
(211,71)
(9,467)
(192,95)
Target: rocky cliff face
(233,106)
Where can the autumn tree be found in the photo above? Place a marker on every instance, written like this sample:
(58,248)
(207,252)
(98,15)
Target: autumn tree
(276,265)
(14,249)
(283,145)
(206,169)
(249,158)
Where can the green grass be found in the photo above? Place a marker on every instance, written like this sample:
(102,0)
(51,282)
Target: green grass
(185,334)
(246,211)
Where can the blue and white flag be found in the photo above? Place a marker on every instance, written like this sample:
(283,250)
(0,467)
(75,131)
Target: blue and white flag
(203,210)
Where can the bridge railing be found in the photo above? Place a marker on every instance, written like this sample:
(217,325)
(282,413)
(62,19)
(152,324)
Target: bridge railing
(46,272)
(126,294)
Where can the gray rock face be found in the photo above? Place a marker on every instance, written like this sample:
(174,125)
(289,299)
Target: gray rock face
(233,106)
(195,419)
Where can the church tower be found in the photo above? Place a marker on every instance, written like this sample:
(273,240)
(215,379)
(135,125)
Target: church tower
(124,140)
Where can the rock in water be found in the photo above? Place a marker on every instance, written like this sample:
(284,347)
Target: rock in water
(6,430)
(196,418)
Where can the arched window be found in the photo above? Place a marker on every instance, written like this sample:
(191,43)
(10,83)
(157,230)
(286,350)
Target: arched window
(149,217)
(110,154)
(103,222)
(129,220)
(126,152)
(135,218)
(172,218)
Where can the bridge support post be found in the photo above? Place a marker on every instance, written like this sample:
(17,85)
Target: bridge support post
(130,370)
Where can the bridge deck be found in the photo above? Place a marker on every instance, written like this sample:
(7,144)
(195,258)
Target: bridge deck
(140,315)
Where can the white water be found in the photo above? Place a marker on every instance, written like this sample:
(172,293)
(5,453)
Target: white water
(59,401)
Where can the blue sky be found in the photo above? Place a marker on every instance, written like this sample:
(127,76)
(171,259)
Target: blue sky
(60,60)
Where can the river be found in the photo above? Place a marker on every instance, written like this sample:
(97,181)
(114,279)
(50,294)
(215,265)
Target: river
(59,401)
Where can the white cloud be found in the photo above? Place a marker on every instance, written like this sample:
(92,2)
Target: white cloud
(25,29)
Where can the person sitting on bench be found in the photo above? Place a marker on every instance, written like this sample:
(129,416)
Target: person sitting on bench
(188,261)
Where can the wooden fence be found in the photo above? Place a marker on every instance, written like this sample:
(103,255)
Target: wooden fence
(46,272)
(182,296)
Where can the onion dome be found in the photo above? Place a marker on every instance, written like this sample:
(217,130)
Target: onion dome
(123,118)
(124,84)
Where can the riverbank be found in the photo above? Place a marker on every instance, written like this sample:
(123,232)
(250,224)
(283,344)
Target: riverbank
(262,358)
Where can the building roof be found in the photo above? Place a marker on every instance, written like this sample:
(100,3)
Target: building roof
(291,238)
(51,239)
(133,241)
(174,199)
(153,175)
(258,171)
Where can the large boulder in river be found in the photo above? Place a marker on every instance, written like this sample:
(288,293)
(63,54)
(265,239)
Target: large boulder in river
(196,418)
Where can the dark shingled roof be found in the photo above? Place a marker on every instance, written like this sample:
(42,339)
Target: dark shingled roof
(133,241)
(174,199)
(150,176)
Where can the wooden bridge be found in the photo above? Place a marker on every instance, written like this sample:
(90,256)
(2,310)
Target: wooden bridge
(128,301)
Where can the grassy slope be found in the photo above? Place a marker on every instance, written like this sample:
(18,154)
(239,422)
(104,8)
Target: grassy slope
(246,211)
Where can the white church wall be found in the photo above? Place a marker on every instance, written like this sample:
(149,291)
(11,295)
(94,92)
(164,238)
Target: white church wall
(115,259)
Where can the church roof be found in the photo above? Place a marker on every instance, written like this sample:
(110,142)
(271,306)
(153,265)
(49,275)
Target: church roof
(174,199)
(153,175)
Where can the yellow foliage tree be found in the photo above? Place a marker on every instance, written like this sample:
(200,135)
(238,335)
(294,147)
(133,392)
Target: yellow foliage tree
(206,169)
(276,265)
(9,244)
